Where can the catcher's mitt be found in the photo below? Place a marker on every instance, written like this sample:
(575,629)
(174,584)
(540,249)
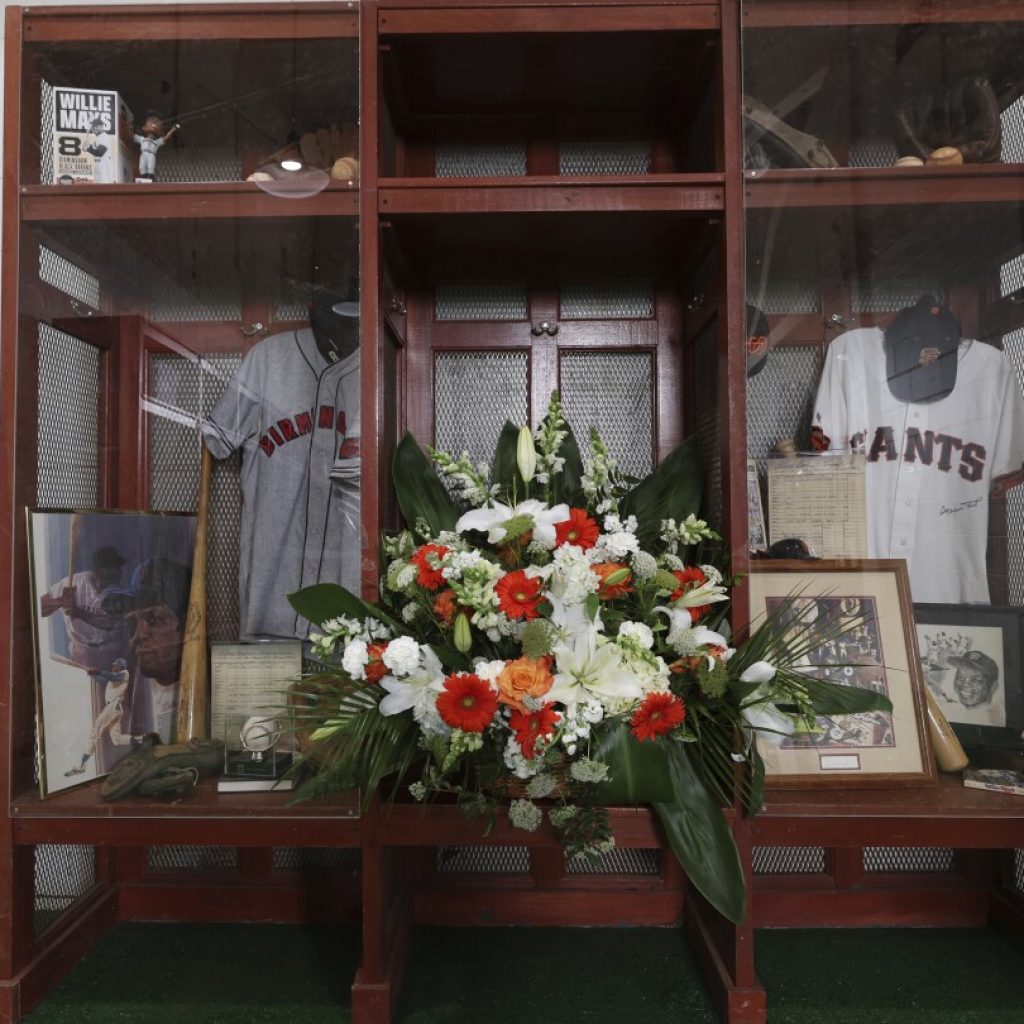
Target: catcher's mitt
(965,116)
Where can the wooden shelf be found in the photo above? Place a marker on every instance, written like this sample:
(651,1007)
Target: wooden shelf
(885,186)
(699,193)
(159,201)
(812,13)
(183,22)
(203,817)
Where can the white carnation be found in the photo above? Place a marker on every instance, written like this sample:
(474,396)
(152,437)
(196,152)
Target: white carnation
(639,632)
(355,659)
(402,655)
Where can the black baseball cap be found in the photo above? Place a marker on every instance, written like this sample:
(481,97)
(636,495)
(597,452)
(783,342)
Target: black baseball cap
(107,557)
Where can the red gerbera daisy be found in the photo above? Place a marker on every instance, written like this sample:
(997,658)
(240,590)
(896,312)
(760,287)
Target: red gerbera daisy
(425,558)
(467,702)
(659,713)
(376,670)
(690,578)
(529,726)
(578,529)
(518,595)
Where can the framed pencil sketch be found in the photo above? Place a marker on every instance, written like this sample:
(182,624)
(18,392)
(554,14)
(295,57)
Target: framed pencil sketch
(109,596)
(971,661)
(866,607)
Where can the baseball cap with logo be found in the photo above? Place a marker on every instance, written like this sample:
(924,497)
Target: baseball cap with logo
(979,660)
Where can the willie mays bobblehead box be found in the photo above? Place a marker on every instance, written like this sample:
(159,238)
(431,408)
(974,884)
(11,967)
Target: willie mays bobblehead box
(91,132)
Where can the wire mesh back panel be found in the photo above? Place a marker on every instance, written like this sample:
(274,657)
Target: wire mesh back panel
(67,475)
(600,156)
(317,858)
(63,275)
(46,115)
(789,860)
(1013,133)
(483,860)
(474,394)
(192,859)
(603,300)
(181,392)
(480,160)
(623,860)
(476,302)
(1012,278)
(779,399)
(1018,871)
(908,859)
(63,874)
(612,391)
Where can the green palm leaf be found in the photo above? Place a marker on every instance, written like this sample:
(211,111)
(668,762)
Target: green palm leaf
(421,495)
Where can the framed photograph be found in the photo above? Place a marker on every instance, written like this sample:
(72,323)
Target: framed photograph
(868,603)
(109,593)
(971,661)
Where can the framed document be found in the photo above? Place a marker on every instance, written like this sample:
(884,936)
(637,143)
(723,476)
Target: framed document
(249,679)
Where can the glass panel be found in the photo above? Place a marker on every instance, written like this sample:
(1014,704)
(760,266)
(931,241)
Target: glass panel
(885,416)
(190,178)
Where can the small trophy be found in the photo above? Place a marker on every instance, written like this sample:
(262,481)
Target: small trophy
(251,747)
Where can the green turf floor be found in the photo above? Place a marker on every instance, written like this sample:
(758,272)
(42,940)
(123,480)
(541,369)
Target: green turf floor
(280,974)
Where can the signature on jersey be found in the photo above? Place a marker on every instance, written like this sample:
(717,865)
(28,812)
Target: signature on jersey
(947,511)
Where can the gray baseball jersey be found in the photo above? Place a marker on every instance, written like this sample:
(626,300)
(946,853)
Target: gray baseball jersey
(294,415)
(930,466)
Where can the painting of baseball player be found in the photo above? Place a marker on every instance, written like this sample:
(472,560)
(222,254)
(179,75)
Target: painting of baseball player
(149,139)
(94,623)
(108,722)
(157,623)
(963,669)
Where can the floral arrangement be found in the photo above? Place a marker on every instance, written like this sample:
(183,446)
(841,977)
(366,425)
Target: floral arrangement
(552,640)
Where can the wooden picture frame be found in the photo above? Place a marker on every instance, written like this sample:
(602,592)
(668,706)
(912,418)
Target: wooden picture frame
(971,658)
(879,650)
(109,597)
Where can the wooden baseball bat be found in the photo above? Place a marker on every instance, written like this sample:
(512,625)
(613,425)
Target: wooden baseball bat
(193,677)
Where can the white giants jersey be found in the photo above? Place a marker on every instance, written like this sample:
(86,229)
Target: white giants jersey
(930,466)
(294,415)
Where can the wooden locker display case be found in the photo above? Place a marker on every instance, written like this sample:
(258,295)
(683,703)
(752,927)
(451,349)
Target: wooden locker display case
(540,194)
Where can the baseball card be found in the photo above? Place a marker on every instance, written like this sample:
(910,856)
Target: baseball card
(91,128)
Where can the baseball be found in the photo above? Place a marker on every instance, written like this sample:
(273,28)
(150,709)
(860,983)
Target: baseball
(945,156)
(345,168)
(259,734)
(909,161)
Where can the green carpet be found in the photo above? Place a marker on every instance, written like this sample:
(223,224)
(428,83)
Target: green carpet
(281,974)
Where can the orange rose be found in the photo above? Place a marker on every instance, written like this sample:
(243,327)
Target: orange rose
(524,677)
(445,606)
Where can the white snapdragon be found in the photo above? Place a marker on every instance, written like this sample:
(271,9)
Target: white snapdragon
(488,671)
(402,655)
(404,578)
(572,579)
(514,760)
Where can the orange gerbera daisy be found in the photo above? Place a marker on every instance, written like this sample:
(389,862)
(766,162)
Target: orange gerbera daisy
(578,529)
(659,713)
(608,592)
(530,726)
(376,670)
(518,595)
(690,577)
(424,558)
(467,702)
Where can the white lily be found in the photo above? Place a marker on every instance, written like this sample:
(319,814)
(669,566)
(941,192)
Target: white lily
(493,518)
(706,593)
(571,620)
(760,713)
(586,669)
(423,684)
(686,638)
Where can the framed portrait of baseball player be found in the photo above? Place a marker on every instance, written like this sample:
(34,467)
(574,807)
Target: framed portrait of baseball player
(109,596)
(971,661)
(862,613)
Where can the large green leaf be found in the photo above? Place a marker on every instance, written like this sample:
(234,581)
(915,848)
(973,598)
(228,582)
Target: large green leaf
(639,771)
(505,470)
(672,491)
(568,484)
(836,699)
(421,495)
(324,601)
(701,838)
